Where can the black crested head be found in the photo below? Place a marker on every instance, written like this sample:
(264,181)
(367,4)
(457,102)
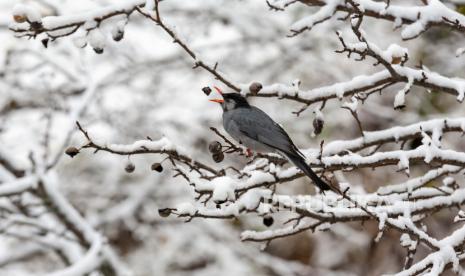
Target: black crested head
(237,99)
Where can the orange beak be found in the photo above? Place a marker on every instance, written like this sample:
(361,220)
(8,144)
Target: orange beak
(218,90)
(217,100)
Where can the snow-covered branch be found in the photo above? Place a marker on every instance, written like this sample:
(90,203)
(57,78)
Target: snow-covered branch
(362,86)
(416,19)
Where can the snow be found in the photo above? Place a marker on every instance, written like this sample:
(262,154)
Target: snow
(86,264)
(308,22)
(352,106)
(382,220)
(149,5)
(163,144)
(404,164)
(27,11)
(53,22)
(460,216)
(118,29)
(460,51)
(96,39)
(186,208)
(252,198)
(413,30)
(224,188)
(361,82)
(80,41)
(394,133)
(18,186)
(448,181)
(399,100)
(415,183)
(394,51)
(420,16)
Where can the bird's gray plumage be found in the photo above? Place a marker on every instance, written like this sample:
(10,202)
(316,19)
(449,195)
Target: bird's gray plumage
(257,131)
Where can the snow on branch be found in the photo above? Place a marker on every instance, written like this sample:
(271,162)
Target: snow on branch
(55,27)
(59,26)
(336,155)
(362,86)
(17,186)
(397,206)
(416,19)
(162,146)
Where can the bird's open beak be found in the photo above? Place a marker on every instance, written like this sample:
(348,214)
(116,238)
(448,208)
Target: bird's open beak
(218,90)
(217,100)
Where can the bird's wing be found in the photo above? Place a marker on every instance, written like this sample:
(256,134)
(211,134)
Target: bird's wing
(257,125)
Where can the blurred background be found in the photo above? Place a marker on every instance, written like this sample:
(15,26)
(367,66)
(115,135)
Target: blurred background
(146,87)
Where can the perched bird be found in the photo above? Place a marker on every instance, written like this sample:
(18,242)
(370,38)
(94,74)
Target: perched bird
(253,128)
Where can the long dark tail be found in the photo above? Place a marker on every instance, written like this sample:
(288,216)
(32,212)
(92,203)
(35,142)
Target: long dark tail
(299,161)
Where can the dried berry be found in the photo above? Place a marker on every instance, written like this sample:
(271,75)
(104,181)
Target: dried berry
(218,157)
(118,35)
(19,18)
(72,151)
(207,90)
(268,221)
(255,87)
(214,147)
(157,167)
(130,167)
(396,60)
(164,212)
(98,50)
(318,124)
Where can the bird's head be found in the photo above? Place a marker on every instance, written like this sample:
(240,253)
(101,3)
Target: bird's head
(230,100)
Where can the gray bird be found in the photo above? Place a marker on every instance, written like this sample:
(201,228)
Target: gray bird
(252,127)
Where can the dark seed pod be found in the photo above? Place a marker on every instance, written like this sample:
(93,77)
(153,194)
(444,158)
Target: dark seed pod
(72,151)
(218,157)
(218,203)
(157,167)
(130,167)
(45,42)
(35,25)
(268,221)
(207,90)
(164,212)
(318,124)
(98,50)
(255,87)
(214,147)
(118,35)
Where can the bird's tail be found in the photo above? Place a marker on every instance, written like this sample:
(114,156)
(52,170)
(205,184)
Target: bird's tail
(299,162)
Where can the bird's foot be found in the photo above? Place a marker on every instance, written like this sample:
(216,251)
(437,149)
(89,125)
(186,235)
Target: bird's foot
(248,153)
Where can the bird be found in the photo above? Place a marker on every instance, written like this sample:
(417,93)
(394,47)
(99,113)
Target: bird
(253,128)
